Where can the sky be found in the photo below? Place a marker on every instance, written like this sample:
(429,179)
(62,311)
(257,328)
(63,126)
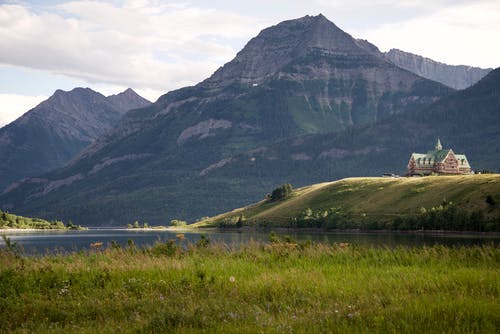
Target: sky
(155,46)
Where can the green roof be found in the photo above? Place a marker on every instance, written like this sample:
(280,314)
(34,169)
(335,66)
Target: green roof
(432,157)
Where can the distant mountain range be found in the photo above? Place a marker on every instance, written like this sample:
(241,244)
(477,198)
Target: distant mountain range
(458,77)
(303,102)
(52,133)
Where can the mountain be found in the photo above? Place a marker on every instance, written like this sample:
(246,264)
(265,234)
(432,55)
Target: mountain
(458,77)
(52,133)
(303,77)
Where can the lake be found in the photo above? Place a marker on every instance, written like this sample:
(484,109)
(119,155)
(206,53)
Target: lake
(42,242)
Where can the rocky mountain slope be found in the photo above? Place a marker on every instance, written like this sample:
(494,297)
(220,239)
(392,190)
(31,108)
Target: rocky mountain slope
(300,77)
(458,77)
(52,133)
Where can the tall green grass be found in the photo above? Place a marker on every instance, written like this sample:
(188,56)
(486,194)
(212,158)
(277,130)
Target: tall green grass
(275,287)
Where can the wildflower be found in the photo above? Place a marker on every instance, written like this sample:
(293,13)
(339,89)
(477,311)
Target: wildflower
(63,291)
(232,279)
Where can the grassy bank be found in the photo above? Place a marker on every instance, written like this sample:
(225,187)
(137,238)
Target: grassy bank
(275,287)
(466,202)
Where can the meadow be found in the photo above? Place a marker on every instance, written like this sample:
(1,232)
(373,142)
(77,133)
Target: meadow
(279,286)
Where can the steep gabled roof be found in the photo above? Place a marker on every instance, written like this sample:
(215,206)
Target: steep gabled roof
(440,155)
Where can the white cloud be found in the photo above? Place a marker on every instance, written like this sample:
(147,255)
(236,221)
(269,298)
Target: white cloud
(142,44)
(13,106)
(465,34)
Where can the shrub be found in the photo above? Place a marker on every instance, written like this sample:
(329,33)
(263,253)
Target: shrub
(168,248)
(203,242)
(178,222)
(281,192)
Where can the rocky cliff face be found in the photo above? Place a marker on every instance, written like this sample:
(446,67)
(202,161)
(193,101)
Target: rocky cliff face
(300,77)
(53,132)
(458,77)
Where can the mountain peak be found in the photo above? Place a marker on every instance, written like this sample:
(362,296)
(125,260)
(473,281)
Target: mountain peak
(74,90)
(76,96)
(275,47)
(127,100)
(309,18)
(127,92)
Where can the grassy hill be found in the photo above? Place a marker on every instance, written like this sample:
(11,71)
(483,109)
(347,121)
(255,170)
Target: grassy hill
(469,202)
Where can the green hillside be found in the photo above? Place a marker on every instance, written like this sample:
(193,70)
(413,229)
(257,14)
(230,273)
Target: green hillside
(469,202)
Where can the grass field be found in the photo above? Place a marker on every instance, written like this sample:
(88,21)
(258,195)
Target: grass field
(375,199)
(271,288)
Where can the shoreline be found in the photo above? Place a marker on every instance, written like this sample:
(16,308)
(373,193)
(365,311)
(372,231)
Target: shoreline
(346,231)
(281,230)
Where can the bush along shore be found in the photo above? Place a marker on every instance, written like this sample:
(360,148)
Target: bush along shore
(11,221)
(279,286)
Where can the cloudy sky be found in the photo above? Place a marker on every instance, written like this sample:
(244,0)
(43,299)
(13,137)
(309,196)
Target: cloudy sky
(155,46)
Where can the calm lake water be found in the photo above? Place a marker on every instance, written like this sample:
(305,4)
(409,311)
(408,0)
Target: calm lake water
(41,242)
